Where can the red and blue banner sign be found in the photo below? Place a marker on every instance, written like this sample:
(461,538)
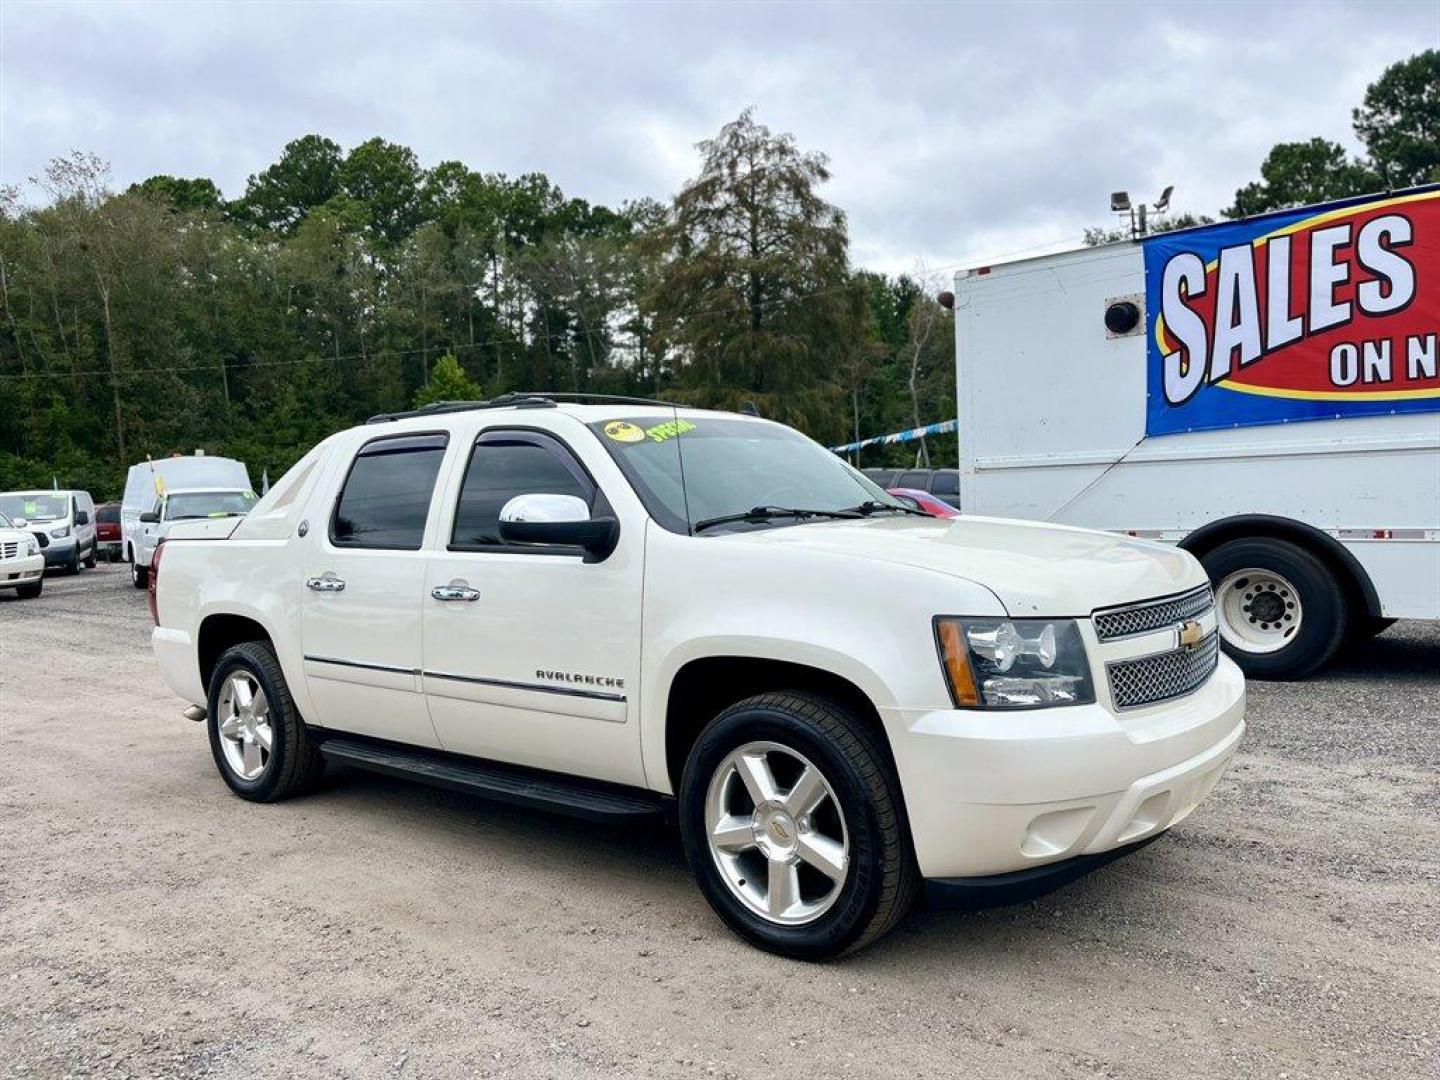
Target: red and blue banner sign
(1314,314)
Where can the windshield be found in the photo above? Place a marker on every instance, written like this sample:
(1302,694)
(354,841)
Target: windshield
(185,506)
(730,467)
(35,507)
(6,523)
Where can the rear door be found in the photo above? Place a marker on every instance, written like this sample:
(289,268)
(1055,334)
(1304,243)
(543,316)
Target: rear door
(364,571)
(532,654)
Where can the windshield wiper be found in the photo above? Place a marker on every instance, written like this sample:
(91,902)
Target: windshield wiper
(770,513)
(874,506)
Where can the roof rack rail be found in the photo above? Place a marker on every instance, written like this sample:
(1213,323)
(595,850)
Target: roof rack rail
(518,399)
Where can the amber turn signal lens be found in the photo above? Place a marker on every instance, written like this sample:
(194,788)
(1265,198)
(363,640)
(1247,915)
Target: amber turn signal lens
(956,659)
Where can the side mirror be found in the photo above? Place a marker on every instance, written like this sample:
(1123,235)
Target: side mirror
(150,517)
(20,523)
(558,519)
(82,518)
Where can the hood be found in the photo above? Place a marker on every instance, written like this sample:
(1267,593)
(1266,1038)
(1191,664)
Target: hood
(201,529)
(13,536)
(1034,568)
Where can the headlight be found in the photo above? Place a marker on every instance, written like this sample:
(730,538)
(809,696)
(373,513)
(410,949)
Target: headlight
(1014,663)
(60,533)
(31,548)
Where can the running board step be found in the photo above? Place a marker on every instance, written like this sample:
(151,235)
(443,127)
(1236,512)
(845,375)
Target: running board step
(544,791)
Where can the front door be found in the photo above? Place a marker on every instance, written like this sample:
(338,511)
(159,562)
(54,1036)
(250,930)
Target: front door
(532,654)
(364,573)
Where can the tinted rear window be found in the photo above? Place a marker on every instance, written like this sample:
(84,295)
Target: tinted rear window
(387,494)
(108,514)
(946,485)
(919,480)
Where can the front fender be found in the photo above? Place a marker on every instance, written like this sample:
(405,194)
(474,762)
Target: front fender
(868,622)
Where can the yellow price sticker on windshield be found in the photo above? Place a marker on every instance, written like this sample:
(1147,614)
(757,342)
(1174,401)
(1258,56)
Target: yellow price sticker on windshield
(624,431)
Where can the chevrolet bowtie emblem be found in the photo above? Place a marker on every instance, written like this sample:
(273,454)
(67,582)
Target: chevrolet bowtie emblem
(1191,634)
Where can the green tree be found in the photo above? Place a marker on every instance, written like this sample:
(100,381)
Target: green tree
(306,176)
(384,178)
(1399,121)
(447,382)
(756,296)
(1298,173)
(179,193)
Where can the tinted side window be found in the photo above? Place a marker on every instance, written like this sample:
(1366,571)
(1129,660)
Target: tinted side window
(387,494)
(946,485)
(506,464)
(919,479)
(108,514)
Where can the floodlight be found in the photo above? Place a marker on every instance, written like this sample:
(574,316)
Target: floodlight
(1119,201)
(1163,203)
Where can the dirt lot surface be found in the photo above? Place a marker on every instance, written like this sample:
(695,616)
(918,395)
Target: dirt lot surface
(152,924)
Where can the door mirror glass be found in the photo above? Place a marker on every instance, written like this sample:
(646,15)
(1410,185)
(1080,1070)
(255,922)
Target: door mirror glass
(557,519)
(82,518)
(150,517)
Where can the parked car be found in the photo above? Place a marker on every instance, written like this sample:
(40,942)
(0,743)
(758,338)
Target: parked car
(62,522)
(148,480)
(184,504)
(942,483)
(625,611)
(107,529)
(923,500)
(22,567)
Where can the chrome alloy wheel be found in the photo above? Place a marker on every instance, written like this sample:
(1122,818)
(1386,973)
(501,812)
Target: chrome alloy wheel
(246,735)
(1259,610)
(777,833)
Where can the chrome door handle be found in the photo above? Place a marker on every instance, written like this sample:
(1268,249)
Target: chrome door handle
(455,592)
(328,583)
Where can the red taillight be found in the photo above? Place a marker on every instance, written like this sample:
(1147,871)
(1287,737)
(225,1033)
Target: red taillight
(154,579)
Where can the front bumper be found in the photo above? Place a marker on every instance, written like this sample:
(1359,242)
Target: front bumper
(992,793)
(59,552)
(17,572)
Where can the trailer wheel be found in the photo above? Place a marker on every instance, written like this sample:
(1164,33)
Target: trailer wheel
(1281,611)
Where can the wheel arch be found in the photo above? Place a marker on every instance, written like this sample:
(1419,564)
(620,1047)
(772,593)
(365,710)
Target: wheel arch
(703,686)
(221,630)
(1329,550)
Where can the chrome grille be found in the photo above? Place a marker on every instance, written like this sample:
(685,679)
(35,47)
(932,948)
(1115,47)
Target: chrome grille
(1153,614)
(9,550)
(1162,676)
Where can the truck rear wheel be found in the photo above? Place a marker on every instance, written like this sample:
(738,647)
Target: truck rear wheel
(139,575)
(260,744)
(791,818)
(1281,611)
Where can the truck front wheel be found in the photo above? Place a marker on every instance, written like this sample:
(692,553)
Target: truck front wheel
(791,818)
(139,575)
(1281,611)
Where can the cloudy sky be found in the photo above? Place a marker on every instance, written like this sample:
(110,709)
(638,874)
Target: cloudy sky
(957,131)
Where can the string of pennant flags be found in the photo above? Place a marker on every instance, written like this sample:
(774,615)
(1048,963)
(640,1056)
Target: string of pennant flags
(944,427)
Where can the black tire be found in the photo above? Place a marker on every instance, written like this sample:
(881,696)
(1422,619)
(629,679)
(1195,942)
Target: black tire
(90,559)
(139,575)
(1322,600)
(30,592)
(73,566)
(882,879)
(295,765)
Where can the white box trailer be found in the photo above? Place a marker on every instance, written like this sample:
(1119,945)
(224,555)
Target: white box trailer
(1263,392)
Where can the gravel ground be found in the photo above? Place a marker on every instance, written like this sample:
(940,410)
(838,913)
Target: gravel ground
(152,924)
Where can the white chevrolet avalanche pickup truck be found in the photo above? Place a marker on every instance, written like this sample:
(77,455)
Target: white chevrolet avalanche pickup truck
(620,610)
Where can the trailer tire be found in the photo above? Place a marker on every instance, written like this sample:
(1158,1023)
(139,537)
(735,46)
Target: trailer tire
(1282,611)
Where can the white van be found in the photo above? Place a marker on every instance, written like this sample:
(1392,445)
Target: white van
(62,522)
(147,481)
(1264,393)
